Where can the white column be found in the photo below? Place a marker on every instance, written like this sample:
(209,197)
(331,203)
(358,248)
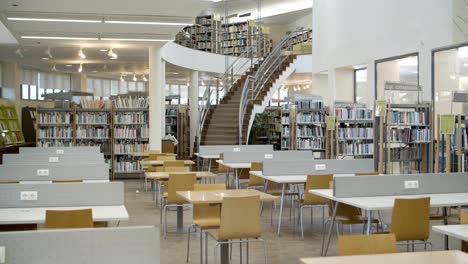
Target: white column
(330,100)
(370,99)
(163,98)
(194,120)
(156,91)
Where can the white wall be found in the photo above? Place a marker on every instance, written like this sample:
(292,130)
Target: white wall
(362,31)
(344,85)
(304,21)
(460,16)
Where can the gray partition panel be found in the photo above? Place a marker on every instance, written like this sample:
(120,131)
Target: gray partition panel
(301,167)
(77,171)
(217,149)
(245,157)
(293,155)
(63,194)
(389,185)
(41,158)
(86,149)
(122,245)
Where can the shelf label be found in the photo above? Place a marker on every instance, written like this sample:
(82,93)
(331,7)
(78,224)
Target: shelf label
(331,123)
(447,124)
(380,108)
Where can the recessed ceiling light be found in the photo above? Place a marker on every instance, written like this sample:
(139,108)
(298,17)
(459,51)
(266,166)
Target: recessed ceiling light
(68,65)
(134,78)
(103,50)
(140,40)
(54,20)
(58,38)
(45,58)
(146,23)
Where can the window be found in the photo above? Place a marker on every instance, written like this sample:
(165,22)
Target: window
(360,85)
(183,94)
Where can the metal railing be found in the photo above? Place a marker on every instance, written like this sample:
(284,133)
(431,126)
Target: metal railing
(255,83)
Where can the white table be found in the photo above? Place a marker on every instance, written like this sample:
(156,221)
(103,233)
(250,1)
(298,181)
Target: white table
(376,203)
(206,157)
(456,231)
(44,182)
(235,167)
(36,215)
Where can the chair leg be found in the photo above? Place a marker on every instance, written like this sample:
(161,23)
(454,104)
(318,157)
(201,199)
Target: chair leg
(216,253)
(206,247)
(165,221)
(201,247)
(311,215)
(247,260)
(230,251)
(188,243)
(273,206)
(240,250)
(301,222)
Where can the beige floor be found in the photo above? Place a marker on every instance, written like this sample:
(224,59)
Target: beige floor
(287,248)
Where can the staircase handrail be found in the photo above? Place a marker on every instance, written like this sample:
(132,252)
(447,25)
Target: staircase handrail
(254,83)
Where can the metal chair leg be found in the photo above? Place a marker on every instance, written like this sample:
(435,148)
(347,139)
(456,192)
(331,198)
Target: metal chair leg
(188,243)
(301,221)
(165,221)
(247,261)
(206,247)
(240,251)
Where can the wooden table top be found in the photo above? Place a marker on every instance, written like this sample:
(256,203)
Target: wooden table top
(161,162)
(142,154)
(424,257)
(210,197)
(165,175)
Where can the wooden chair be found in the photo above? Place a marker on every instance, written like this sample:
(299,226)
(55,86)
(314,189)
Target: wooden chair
(176,183)
(410,221)
(366,244)
(205,216)
(464,221)
(311,200)
(66,181)
(165,157)
(374,173)
(174,163)
(9,182)
(240,221)
(254,181)
(69,219)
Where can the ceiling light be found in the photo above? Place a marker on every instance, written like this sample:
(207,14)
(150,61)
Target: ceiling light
(54,68)
(54,20)
(68,65)
(142,40)
(462,52)
(103,50)
(188,84)
(80,69)
(121,78)
(144,78)
(48,53)
(134,78)
(19,53)
(146,23)
(81,54)
(308,86)
(202,83)
(45,58)
(57,38)
(112,54)
(221,83)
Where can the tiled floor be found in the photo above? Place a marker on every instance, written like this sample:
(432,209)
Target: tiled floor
(287,248)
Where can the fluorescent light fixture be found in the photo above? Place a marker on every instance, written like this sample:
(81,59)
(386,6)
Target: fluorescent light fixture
(103,50)
(45,58)
(68,65)
(121,78)
(462,52)
(48,53)
(54,20)
(453,77)
(146,23)
(57,38)
(139,40)
(144,78)
(134,78)
(188,84)
(221,83)
(80,69)
(94,71)
(81,54)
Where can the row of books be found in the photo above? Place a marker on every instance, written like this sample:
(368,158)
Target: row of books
(310,143)
(408,135)
(127,165)
(233,50)
(9,113)
(54,143)
(408,118)
(355,149)
(464,139)
(131,132)
(234,43)
(131,118)
(56,132)
(129,102)
(237,28)
(11,138)
(305,131)
(285,131)
(310,104)
(171,112)
(92,118)
(285,120)
(92,132)
(55,117)
(104,146)
(353,114)
(127,148)
(91,103)
(311,117)
(285,144)
(171,121)
(355,132)
(405,153)
(3,126)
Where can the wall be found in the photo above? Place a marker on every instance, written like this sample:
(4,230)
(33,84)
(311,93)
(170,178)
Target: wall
(304,21)
(460,18)
(344,85)
(362,31)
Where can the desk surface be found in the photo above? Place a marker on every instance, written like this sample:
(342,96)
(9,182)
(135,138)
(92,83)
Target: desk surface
(207,156)
(36,215)
(456,231)
(287,178)
(234,165)
(165,175)
(207,197)
(142,154)
(386,202)
(425,257)
(44,182)
(161,162)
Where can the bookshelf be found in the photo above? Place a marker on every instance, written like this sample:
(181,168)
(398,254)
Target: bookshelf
(54,127)
(29,123)
(266,128)
(130,134)
(183,129)
(172,114)
(354,130)
(10,129)
(286,126)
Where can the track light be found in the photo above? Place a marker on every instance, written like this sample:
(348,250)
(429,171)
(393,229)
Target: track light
(121,78)
(221,83)
(134,78)
(47,52)
(80,69)
(144,78)
(188,84)
(54,68)
(112,54)
(19,53)
(202,83)
(81,54)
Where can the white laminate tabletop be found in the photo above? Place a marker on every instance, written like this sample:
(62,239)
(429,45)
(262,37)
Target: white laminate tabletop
(207,156)
(287,178)
(36,215)
(386,202)
(234,165)
(43,182)
(456,231)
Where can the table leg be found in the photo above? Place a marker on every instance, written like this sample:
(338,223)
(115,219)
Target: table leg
(209,165)
(180,218)
(444,214)
(224,253)
(237,183)
(265,188)
(283,190)
(369,221)
(227,178)
(330,230)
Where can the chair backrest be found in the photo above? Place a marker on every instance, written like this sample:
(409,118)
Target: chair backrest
(254,180)
(207,211)
(221,168)
(9,182)
(464,221)
(367,244)
(174,163)
(69,219)
(316,182)
(66,181)
(373,173)
(410,219)
(240,218)
(177,183)
(244,173)
(165,157)
(176,169)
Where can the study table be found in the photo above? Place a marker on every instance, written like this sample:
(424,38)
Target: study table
(161,162)
(377,203)
(456,231)
(36,215)
(235,167)
(161,175)
(425,257)
(206,157)
(145,155)
(216,197)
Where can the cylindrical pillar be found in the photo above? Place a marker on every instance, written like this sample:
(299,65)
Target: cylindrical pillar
(194,119)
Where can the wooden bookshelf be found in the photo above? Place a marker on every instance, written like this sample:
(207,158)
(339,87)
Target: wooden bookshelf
(55,127)
(10,128)
(286,126)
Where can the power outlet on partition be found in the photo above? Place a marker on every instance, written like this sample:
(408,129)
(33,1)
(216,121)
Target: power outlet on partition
(411,185)
(28,196)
